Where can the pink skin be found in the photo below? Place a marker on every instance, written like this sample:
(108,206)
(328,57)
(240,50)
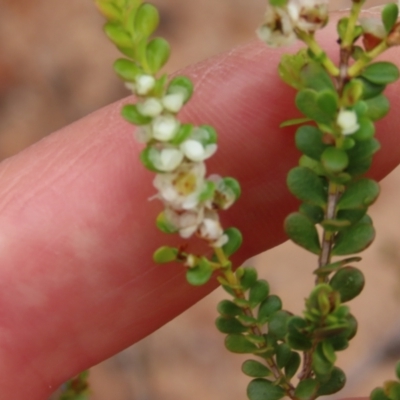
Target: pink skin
(77,281)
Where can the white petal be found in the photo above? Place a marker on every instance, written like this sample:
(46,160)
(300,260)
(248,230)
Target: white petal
(165,127)
(193,150)
(173,102)
(169,159)
(144,83)
(151,107)
(347,120)
(222,240)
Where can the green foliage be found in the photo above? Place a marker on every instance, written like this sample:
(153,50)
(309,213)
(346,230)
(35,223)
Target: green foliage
(381,73)
(229,325)
(247,276)
(127,70)
(233,185)
(165,254)
(335,383)
(390,14)
(290,66)
(349,282)
(302,231)
(164,225)
(131,113)
(355,238)
(370,89)
(228,308)
(277,324)
(259,291)
(237,343)
(261,389)
(234,241)
(378,394)
(146,20)
(268,307)
(307,186)
(359,194)
(366,130)
(200,274)
(378,107)
(334,160)
(157,54)
(308,140)
(76,388)
(181,84)
(314,76)
(306,389)
(255,369)
(298,337)
(292,365)
(314,213)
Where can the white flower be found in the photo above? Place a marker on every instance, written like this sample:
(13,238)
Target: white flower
(173,102)
(210,228)
(373,26)
(277,29)
(144,84)
(196,151)
(308,15)
(186,222)
(221,241)
(347,121)
(165,127)
(181,188)
(166,159)
(151,107)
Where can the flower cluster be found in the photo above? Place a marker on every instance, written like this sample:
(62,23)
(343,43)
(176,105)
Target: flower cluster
(176,152)
(281,23)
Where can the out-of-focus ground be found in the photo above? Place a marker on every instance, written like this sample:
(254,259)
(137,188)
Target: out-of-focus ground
(55,67)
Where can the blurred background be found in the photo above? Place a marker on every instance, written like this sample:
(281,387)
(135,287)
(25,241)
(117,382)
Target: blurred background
(55,67)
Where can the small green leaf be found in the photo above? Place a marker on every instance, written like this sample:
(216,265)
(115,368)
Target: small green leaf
(283,354)
(309,141)
(290,66)
(183,133)
(321,365)
(378,107)
(349,282)
(381,73)
(258,292)
(306,389)
(268,307)
(181,84)
(355,238)
(200,274)
(233,185)
(359,194)
(314,76)
(390,14)
(255,369)
(164,225)
(132,115)
(297,337)
(302,231)
(146,20)
(277,324)
(208,191)
(118,35)
(261,389)
(248,277)
(370,89)
(165,254)
(315,213)
(109,10)
(126,69)
(229,325)
(335,266)
(352,93)
(228,309)
(334,160)
(237,343)
(307,186)
(327,101)
(335,383)
(307,102)
(157,54)
(398,370)
(378,394)
(365,131)
(294,121)
(234,241)
(314,165)
(293,365)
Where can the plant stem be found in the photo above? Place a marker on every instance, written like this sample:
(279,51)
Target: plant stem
(309,40)
(234,283)
(347,42)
